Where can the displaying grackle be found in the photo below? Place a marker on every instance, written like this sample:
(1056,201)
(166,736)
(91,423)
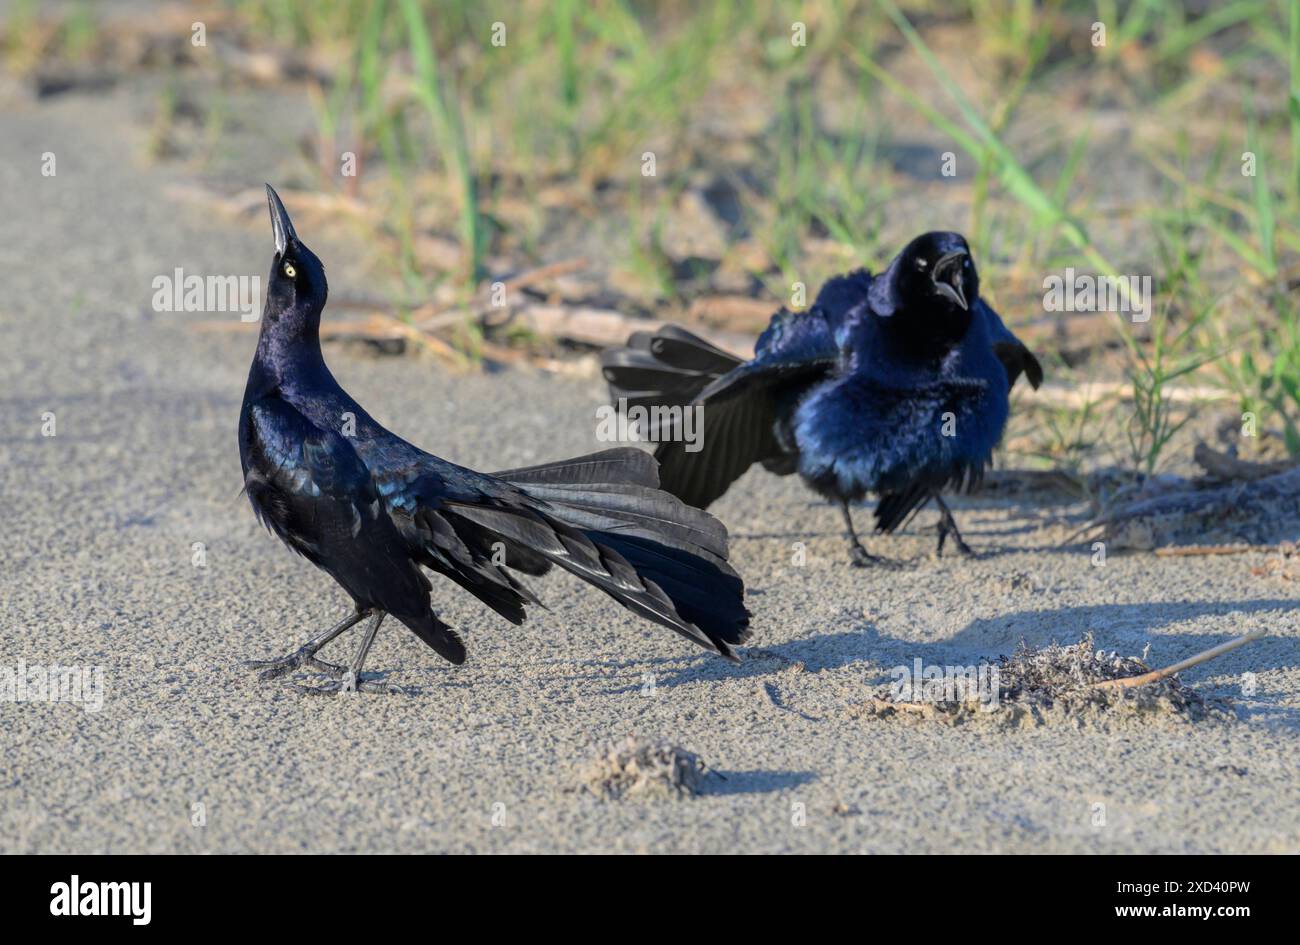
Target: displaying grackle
(370,509)
(895,384)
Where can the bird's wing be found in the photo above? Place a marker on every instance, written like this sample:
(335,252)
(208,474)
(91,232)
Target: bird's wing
(666,368)
(793,338)
(841,295)
(738,412)
(419,492)
(1011,351)
(307,485)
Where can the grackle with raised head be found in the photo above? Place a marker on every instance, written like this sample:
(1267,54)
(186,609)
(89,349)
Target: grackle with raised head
(372,510)
(895,384)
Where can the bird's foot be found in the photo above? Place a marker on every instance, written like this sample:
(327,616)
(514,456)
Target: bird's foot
(963,549)
(274,669)
(948,526)
(859,557)
(349,681)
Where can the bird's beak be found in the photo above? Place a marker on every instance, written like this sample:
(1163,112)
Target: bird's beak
(948,279)
(281,225)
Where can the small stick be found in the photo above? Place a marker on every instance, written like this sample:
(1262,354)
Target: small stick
(879,705)
(549,271)
(1130,682)
(1181,551)
(452,314)
(1056,394)
(1223,466)
(433,343)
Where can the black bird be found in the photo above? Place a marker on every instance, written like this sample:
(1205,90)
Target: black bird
(370,509)
(895,384)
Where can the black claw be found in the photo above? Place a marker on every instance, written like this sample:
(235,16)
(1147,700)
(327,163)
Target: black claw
(336,686)
(274,669)
(305,656)
(859,557)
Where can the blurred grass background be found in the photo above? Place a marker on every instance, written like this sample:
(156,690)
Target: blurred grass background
(778,164)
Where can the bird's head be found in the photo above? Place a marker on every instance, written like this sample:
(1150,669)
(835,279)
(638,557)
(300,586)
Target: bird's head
(296,289)
(932,283)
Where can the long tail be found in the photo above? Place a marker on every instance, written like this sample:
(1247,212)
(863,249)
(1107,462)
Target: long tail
(603,518)
(444,640)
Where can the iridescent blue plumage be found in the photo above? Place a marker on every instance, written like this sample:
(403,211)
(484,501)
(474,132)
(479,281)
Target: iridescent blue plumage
(371,509)
(895,384)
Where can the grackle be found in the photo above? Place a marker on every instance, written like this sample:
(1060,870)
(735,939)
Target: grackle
(370,509)
(895,384)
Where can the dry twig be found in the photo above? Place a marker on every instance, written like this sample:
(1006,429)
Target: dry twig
(1130,682)
(1193,551)
(1223,466)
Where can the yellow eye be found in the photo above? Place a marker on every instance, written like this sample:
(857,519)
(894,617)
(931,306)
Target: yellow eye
(289,270)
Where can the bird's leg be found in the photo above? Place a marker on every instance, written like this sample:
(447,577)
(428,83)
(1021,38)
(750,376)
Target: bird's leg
(948,526)
(350,679)
(306,654)
(859,555)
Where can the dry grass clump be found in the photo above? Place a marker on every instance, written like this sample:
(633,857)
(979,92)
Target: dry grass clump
(1078,684)
(636,767)
(1070,676)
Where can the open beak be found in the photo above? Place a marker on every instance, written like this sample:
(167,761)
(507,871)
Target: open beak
(281,225)
(948,278)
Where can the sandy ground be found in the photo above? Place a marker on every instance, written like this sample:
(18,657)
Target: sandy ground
(96,569)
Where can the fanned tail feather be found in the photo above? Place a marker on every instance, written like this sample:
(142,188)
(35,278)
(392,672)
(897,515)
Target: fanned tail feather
(603,518)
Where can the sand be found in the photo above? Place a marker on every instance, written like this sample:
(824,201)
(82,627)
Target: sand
(189,753)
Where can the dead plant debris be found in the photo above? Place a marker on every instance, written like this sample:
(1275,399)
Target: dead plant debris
(1076,684)
(1283,565)
(638,768)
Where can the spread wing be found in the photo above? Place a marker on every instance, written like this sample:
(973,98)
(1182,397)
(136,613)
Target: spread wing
(739,411)
(1011,351)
